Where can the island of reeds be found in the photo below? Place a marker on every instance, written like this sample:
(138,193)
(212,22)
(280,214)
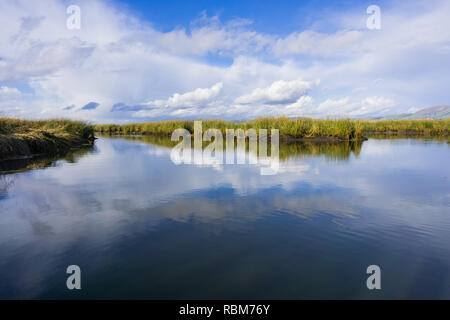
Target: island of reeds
(27,138)
(293,129)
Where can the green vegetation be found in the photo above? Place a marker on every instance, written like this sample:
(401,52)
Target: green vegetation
(301,128)
(409,127)
(22,138)
(297,128)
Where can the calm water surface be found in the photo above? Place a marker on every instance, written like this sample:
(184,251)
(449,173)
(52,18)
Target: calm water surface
(140,226)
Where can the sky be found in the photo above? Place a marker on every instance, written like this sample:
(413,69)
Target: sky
(129,61)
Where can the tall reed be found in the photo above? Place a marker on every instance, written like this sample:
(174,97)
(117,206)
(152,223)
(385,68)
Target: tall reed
(343,129)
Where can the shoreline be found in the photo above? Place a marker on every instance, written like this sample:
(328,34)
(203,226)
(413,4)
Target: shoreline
(283,138)
(26,149)
(27,139)
(289,138)
(408,133)
(300,129)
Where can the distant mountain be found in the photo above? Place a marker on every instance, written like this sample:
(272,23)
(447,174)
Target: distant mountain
(440,112)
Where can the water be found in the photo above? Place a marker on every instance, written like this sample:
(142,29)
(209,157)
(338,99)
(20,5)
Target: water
(140,226)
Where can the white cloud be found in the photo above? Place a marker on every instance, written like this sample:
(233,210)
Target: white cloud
(233,111)
(196,98)
(190,103)
(117,58)
(209,35)
(279,92)
(39,58)
(372,105)
(331,106)
(7,93)
(354,108)
(313,43)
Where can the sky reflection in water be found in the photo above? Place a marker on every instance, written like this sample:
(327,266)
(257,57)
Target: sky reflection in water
(140,226)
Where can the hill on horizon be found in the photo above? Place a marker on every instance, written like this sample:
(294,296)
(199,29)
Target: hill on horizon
(439,112)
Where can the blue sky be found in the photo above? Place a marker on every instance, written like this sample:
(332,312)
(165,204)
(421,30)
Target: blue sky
(277,17)
(135,61)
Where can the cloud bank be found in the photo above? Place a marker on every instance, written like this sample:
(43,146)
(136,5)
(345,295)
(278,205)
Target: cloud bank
(119,68)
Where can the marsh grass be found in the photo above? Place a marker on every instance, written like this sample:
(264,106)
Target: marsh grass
(19,138)
(342,129)
(408,127)
(9,126)
(305,128)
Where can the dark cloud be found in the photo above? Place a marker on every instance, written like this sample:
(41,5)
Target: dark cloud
(69,107)
(121,107)
(91,106)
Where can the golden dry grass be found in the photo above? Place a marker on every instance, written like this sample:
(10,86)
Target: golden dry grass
(26,137)
(343,129)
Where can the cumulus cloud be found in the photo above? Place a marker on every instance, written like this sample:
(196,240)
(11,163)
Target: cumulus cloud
(286,98)
(197,98)
(127,66)
(7,93)
(279,92)
(233,111)
(331,105)
(295,109)
(321,44)
(354,108)
(193,103)
(208,35)
(373,105)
